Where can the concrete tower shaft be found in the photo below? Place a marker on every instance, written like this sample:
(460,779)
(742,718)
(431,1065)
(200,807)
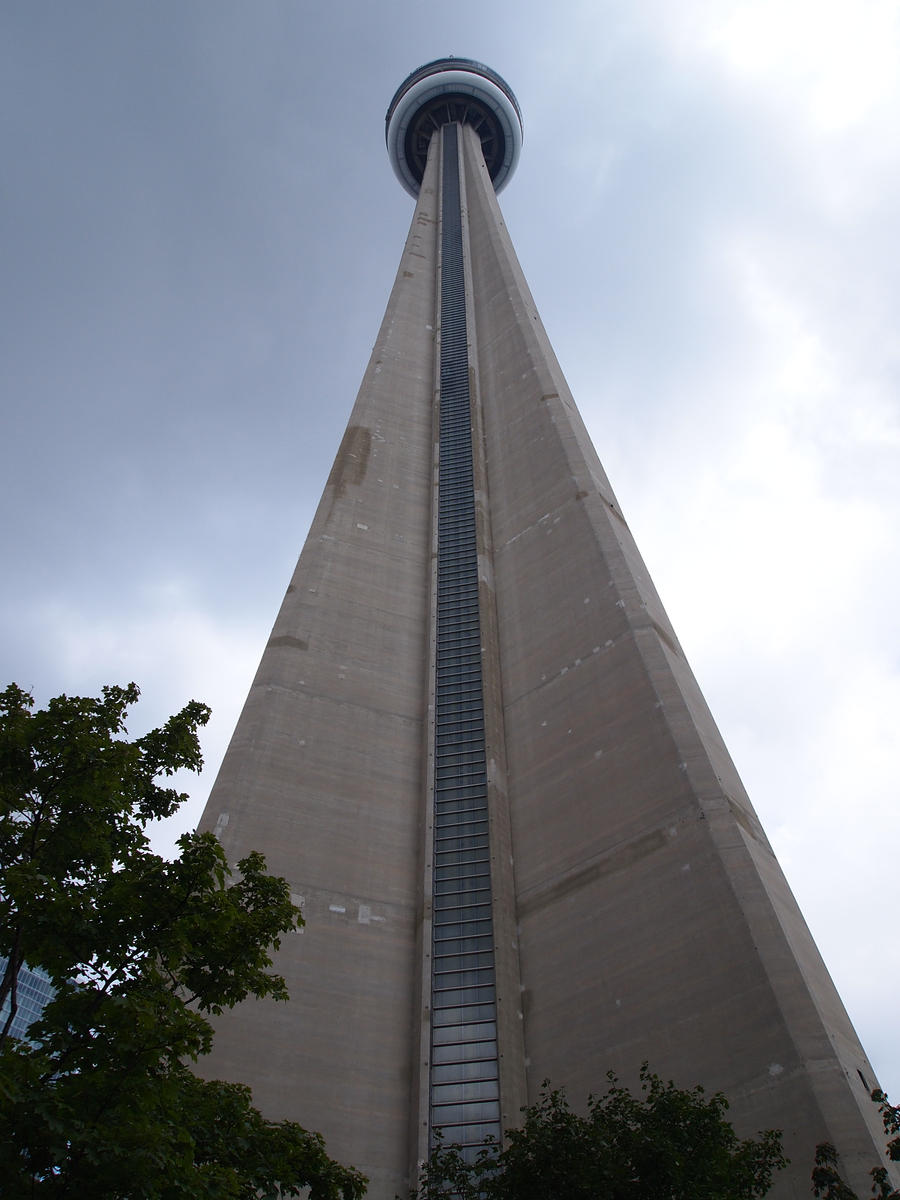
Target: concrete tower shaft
(475,749)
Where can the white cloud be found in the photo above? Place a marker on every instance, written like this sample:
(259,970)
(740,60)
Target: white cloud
(833,61)
(175,650)
(836,59)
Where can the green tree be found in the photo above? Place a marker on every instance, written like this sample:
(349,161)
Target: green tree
(666,1142)
(826,1177)
(101,1101)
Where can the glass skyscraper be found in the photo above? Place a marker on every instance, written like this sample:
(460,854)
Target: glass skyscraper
(34,990)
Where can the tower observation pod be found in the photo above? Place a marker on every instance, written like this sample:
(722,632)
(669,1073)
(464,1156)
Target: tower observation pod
(443,92)
(477,753)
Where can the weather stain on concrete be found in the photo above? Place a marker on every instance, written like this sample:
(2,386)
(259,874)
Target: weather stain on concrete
(287,640)
(351,462)
(620,858)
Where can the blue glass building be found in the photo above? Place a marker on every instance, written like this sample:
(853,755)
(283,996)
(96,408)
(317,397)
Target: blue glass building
(34,991)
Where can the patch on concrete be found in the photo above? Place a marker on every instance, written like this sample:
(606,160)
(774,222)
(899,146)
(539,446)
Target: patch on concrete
(366,916)
(745,820)
(664,637)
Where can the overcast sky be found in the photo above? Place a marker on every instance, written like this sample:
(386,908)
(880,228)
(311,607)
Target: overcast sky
(199,231)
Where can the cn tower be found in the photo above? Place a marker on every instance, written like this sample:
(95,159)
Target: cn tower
(475,749)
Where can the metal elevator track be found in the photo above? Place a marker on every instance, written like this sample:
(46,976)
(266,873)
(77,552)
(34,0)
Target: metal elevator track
(465,1090)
